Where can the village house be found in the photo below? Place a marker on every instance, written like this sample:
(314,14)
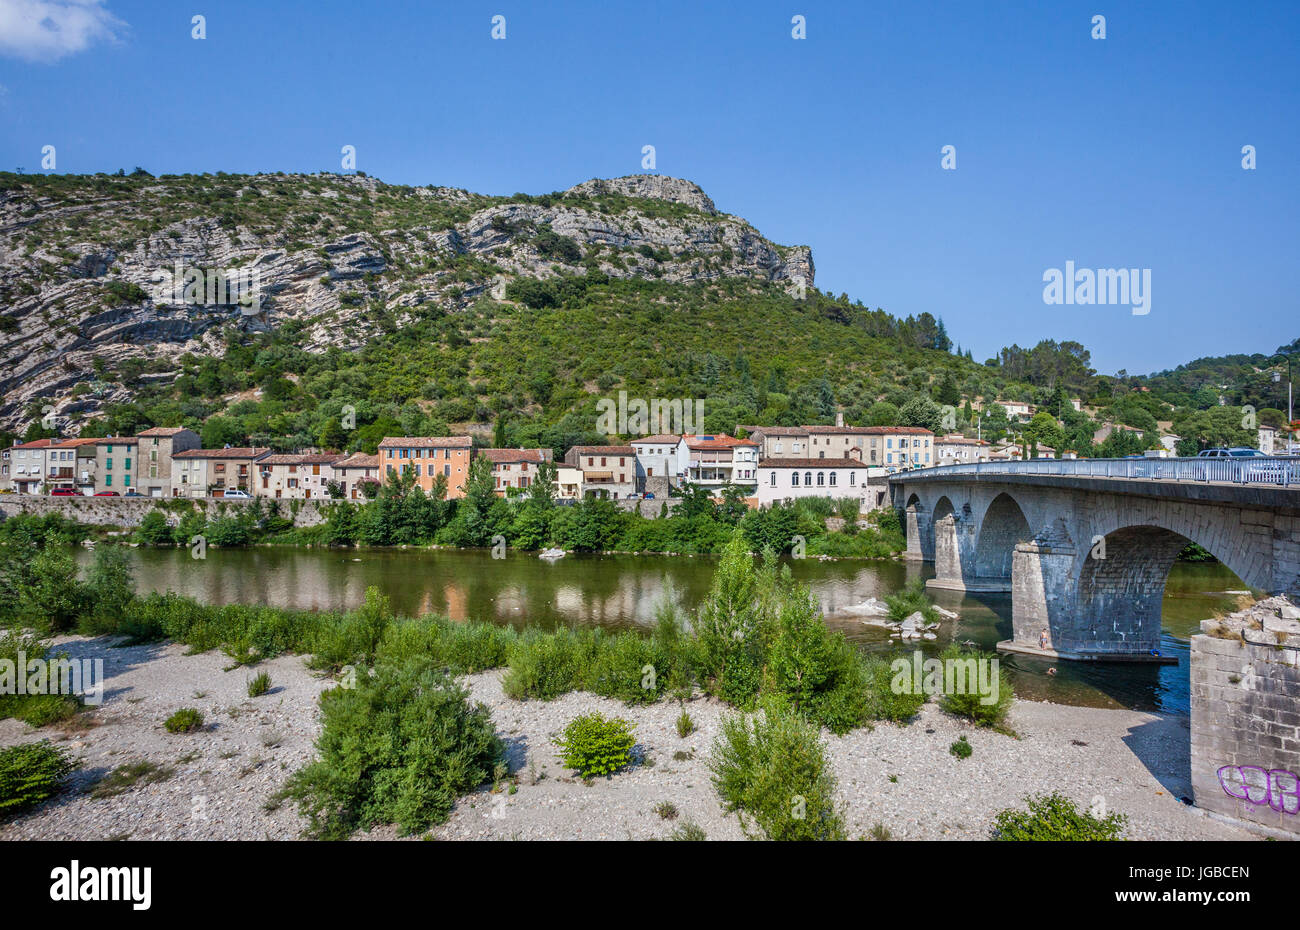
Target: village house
(514,468)
(956,449)
(660,463)
(568,483)
(296,475)
(156,448)
(787,479)
(904,447)
(778,442)
(842,441)
(26,463)
(428,457)
(354,472)
(718,460)
(607,471)
(70,465)
(213,472)
(1266,439)
(115,461)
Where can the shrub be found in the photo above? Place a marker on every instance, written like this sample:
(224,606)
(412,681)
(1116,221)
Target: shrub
(153,530)
(816,670)
(110,590)
(185,720)
(399,747)
(908,601)
(31,773)
(885,702)
(463,648)
(352,638)
(1054,817)
(961,748)
(688,831)
(775,776)
(37,710)
(968,702)
(546,665)
(593,745)
(259,684)
(685,725)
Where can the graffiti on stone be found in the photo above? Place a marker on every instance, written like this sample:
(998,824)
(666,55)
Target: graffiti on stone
(1278,788)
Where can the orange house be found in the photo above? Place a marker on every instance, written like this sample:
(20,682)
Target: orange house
(428,456)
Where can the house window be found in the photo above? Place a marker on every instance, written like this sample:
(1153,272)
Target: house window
(807,478)
(794,479)
(773,482)
(821,479)
(832,479)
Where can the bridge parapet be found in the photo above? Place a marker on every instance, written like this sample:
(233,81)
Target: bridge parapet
(1282,471)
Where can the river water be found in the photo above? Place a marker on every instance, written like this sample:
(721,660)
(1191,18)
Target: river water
(623,591)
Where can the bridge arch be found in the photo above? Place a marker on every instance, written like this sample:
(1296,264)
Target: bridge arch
(1004,526)
(1121,591)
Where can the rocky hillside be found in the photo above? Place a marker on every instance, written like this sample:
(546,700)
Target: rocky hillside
(86,261)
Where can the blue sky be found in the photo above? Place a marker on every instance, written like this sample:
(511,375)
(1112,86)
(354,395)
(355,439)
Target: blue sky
(1122,152)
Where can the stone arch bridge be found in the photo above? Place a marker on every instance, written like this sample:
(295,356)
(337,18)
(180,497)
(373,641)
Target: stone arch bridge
(1085,546)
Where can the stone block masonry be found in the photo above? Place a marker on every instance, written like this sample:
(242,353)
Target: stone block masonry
(1245,701)
(129,511)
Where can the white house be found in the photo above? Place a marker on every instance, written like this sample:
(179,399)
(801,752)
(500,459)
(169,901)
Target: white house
(718,460)
(661,462)
(956,449)
(26,463)
(1267,440)
(787,479)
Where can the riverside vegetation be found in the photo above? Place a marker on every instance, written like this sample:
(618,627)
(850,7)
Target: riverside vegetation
(758,643)
(403,514)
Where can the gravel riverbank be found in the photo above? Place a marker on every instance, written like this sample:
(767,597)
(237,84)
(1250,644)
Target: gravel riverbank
(215,783)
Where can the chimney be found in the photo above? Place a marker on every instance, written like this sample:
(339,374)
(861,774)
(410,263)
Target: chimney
(839,418)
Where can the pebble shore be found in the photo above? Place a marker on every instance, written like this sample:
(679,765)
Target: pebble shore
(217,783)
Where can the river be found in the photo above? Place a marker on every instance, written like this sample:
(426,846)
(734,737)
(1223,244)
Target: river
(623,591)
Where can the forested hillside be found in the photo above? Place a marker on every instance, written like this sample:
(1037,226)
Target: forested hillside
(434,310)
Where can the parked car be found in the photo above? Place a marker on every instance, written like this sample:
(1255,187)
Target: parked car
(64,492)
(1236,452)
(133,494)
(236,493)
(107,494)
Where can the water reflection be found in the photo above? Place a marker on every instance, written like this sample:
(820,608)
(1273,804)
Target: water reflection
(617,591)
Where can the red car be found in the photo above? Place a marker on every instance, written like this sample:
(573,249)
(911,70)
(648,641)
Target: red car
(64,492)
(107,494)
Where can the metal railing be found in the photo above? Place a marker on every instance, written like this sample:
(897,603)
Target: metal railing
(1283,472)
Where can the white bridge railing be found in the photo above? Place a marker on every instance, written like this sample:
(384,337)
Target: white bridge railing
(1284,472)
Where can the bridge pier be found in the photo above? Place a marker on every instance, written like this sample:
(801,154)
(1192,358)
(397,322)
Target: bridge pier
(954,555)
(920,535)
